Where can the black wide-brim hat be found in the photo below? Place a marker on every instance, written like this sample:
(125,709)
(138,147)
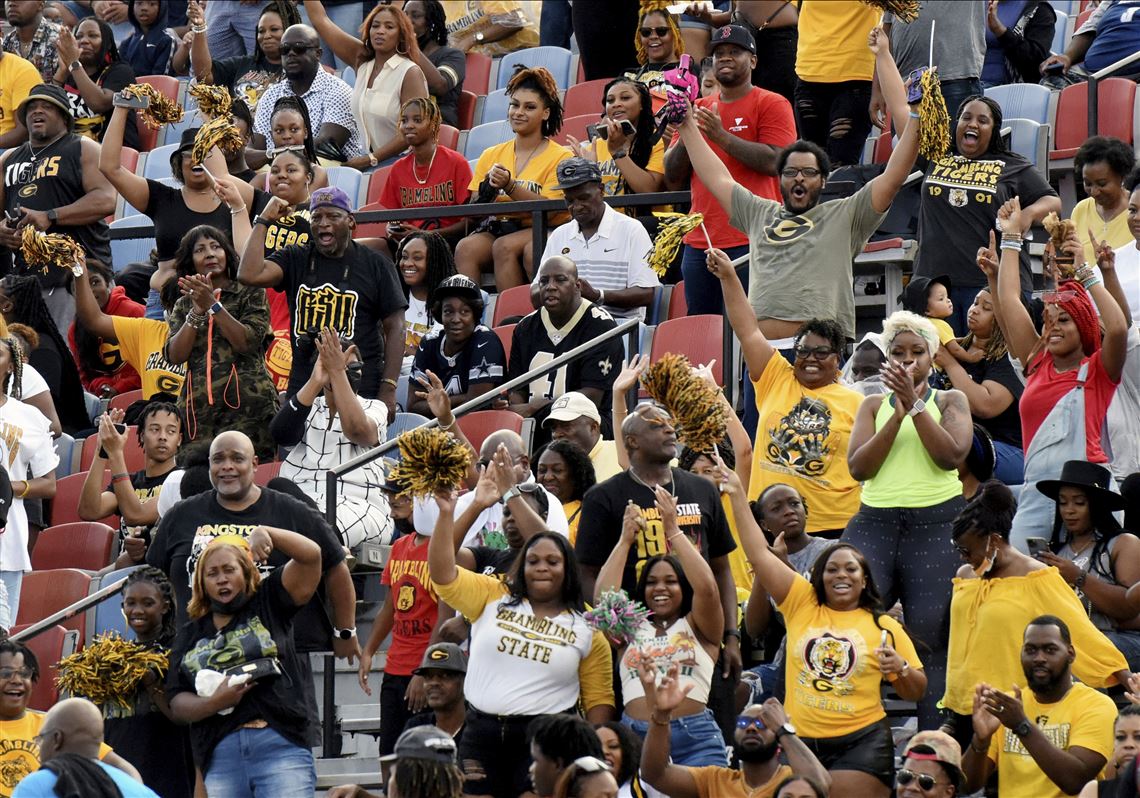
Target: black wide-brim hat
(1092,478)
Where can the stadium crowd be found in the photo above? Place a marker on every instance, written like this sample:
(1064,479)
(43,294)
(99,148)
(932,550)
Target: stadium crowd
(910,567)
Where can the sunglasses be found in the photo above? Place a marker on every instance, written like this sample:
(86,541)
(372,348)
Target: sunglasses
(647,32)
(925,781)
(818,352)
(747,721)
(298,49)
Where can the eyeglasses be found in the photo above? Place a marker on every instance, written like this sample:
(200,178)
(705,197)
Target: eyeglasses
(790,172)
(590,764)
(647,32)
(746,721)
(925,780)
(818,352)
(298,49)
(8,673)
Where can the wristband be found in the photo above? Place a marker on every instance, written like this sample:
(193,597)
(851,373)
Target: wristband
(446,427)
(732,633)
(617,154)
(27,488)
(372,159)
(601,296)
(120,478)
(390,381)
(120,475)
(1012,245)
(656,722)
(1081,577)
(215,308)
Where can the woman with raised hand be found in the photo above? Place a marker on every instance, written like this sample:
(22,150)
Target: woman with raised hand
(91,71)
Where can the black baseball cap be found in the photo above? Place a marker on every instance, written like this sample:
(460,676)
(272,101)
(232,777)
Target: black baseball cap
(913,297)
(429,743)
(576,172)
(443,657)
(732,34)
(460,287)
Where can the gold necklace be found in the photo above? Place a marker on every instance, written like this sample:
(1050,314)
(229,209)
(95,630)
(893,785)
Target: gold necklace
(434,150)
(519,169)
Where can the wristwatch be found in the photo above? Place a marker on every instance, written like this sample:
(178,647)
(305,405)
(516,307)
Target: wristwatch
(919,406)
(787,728)
(345,634)
(74,65)
(215,308)
(53,215)
(510,494)
(1022,728)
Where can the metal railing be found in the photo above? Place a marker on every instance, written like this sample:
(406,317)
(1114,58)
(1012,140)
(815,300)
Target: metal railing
(70,611)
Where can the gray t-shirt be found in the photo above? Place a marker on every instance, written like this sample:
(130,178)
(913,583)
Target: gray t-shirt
(800,265)
(959,38)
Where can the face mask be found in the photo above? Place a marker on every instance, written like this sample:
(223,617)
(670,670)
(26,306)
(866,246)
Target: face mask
(987,561)
(231,607)
(355,373)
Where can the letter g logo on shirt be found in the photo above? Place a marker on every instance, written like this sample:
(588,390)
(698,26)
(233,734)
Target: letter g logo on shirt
(788,229)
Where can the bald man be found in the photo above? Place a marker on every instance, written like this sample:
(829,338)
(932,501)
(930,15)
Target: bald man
(237,506)
(70,741)
(563,321)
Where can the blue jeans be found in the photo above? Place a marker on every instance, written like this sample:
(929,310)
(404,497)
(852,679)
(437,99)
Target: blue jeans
(702,290)
(769,682)
(955,91)
(1127,641)
(1009,466)
(554,26)
(695,740)
(260,763)
(347,17)
(154,306)
(232,29)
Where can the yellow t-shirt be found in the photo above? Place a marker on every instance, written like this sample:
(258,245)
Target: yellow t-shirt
(1084,718)
(833,41)
(605,460)
(833,678)
(945,331)
(573,511)
(19,756)
(17,76)
(742,571)
(718,782)
(801,440)
(987,618)
(141,342)
(539,174)
(462,15)
(613,184)
(1086,218)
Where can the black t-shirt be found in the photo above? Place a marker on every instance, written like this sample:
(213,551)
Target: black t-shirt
(91,123)
(58,369)
(699,515)
(245,77)
(427,718)
(493,562)
(352,294)
(52,179)
(288,231)
(960,201)
(184,532)
(536,341)
(456,62)
(1006,425)
(263,628)
(146,488)
(481,360)
(172,218)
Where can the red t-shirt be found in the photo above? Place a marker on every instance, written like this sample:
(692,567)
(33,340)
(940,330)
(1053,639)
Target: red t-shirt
(1046,387)
(446,183)
(759,116)
(415,602)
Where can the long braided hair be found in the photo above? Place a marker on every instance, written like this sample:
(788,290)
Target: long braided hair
(88,346)
(154,576)
(14,379)
(435,17)
(657,7)
(995,349)
(539,80)
(440,262)
(419,778)
(293,103)
(646,136)
(429,108)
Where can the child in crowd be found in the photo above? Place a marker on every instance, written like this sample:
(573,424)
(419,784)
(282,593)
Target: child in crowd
(149,49)
(930,297)
(709,86)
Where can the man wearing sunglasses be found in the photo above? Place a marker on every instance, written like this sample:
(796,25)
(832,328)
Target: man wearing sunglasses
(327,97)
(762,730)
(1050,740)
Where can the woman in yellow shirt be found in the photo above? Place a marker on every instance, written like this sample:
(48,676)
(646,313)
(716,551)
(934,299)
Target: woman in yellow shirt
(524,168)
(567,472)
(1103,163)
(997,590)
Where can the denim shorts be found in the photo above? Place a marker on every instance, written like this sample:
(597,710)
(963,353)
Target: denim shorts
(695,740)
(260,763)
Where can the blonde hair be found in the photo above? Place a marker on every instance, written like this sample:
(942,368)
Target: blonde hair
(904,321)
(657,7)
(199,605)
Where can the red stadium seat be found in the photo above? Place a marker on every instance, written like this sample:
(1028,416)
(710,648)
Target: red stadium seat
(265,472)
(478,77)
(129,158)
(575,126)
(49,646)
(506,335)
(678,307)
(132,451)
(371,229)
(449,136)
(585,98)
(376,184)
(481,423)
(1116,98)
(45,592)
(65,505)
(467,102)
(168,87)
(124,400)
(512,302)
(86,545)
(700,338)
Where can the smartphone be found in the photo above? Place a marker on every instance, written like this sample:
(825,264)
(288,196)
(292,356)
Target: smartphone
(592,132)
(1037,546)
(603,132)
(121,100)
(121,429)
(1055,69)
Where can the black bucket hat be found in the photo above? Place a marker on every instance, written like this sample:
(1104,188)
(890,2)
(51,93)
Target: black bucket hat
(47,93)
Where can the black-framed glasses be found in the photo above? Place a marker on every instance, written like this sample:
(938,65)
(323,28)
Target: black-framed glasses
(298,49)
(647,32)
(818,352)
(8,673)
(926,782)
(746,721)
(790,172)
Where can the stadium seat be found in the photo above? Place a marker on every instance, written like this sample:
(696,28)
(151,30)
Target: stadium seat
(64,450)
(349,76)
(265,472)
(129,158)
(575,126)
(658,309)
(345,178)
(124,400)
(478,76)
(376,183)
(512,302)
(130,250)
(132,451)
(49,646)
(487,135)
(107,615)
(1031,140)
(172,133)
(506,336)
(1062,6)
(45,592)
(125,208)
(1082,17)
(170,88)
(1062,32)
(1022,101)
(402,423)
(678,307)
(479,424)
(495,107)
(556,59)
(584,98)
(158,162)
(1116,98)
(371,229)
(86,545)
(700,338)
(467,102)
(449,136)
(65,504)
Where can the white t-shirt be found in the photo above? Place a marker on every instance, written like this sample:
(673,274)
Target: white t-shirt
(32,383)
(25,443)
(171,491)
(1123,419)
(1128,271)
(417,324)
(488,527)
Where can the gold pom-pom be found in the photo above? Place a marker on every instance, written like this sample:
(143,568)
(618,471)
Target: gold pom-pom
(905,10)
(161,111)
(693,403)
(213,101)
(934,121)
(218,132)
(1059,231)
(108,671)
(673,227)
(49,249)
(431,460)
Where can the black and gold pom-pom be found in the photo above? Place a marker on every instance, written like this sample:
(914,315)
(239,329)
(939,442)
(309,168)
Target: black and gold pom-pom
(934,120)
(108,671)
(905,10)
(49,249)
(218,132)
(431,460)
(161,111)
(693,403)
(672,228)
(213,101)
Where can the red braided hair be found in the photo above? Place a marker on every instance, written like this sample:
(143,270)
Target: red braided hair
(1080,309)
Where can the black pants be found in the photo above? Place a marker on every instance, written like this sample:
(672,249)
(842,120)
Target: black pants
(835,116)
(394,712)
(604,32)
(776,60)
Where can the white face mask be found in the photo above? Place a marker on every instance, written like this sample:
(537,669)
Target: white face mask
(987,561)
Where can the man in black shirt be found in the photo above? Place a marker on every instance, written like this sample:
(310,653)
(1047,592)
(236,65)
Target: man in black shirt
(332,281)
(443,670)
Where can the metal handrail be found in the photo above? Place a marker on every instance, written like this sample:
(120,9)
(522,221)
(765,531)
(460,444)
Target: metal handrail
(69,611)
(1094,78)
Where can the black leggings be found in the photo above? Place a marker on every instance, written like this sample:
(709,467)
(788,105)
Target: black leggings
(835,116)
(913,561)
